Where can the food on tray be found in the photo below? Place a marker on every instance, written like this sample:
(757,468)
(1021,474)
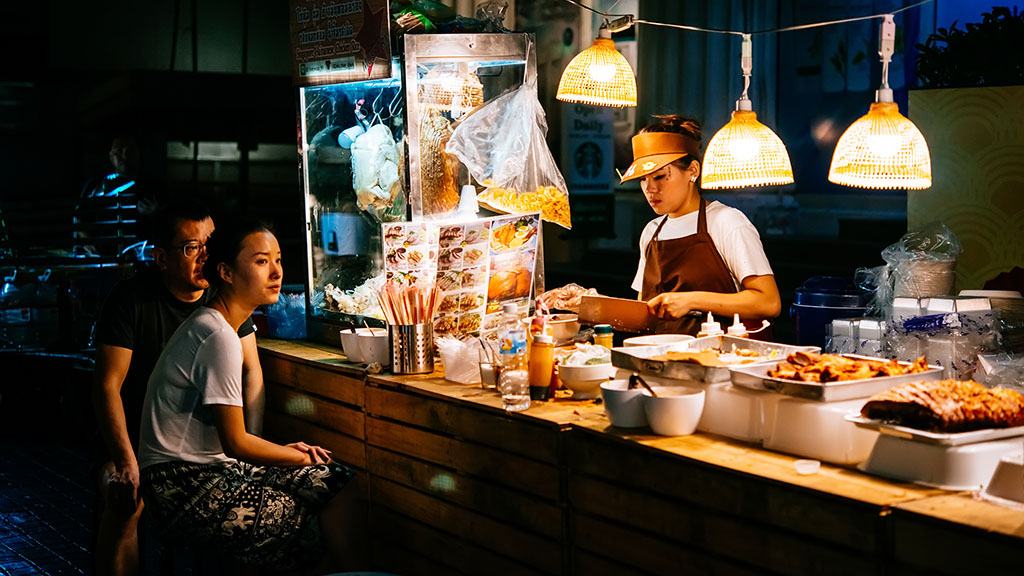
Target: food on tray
(469,323)
(359,300)
(446,324)
(375,172)
(814,367)
(566,297)
(440,193)
(552,203)
(947,406)
(508,284)
(711,357)
(513,234)
(449,303)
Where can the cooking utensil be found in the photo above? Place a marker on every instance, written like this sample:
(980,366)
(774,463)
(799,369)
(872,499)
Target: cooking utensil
(635,379)
(621,313)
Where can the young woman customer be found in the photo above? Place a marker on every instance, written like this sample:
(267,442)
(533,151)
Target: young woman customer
(695,257)
(208,482)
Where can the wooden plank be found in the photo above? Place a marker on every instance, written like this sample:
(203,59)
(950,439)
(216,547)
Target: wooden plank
(705,529)
(584,562)
(525,438)
(314,380)
(846,522)
(338,417)
(505,505)
(387,555)
(955,534)
(465,457)
(285,429)
(434,552)
(467,526)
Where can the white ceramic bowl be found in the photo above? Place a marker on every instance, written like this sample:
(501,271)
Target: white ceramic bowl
(350,344)
(585,381)
(563,326)
(374,346)
(656,339)
(624,406)
(675,411)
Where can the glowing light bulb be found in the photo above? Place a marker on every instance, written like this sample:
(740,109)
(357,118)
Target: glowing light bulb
(744,149)
(883,145)
(601,72)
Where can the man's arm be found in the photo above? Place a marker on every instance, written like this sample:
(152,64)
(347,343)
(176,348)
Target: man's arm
(112,364)
(253,395)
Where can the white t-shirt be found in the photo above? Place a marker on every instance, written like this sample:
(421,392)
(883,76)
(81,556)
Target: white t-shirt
(201,365)
(735,238)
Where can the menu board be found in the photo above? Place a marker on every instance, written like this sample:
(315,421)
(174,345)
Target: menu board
(478,265)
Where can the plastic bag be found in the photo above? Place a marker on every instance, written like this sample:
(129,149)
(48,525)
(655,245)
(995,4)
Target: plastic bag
(588,354)
(460,359)
(923,262)
(503,145)
(286,318)
(565,298)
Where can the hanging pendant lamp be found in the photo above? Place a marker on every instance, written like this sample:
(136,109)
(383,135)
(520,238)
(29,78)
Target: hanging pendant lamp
(745,152)
(599,76)
(882,149)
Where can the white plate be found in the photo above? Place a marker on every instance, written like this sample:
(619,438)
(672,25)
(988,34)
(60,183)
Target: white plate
(944,439)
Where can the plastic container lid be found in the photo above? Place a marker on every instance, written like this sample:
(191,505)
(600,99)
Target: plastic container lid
(544,339)
(737,328)
(603,329)
(510,308)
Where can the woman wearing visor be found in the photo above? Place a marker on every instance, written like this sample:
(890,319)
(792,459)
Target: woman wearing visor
(696,256)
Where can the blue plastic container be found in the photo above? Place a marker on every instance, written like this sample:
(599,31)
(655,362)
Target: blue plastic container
(822,299)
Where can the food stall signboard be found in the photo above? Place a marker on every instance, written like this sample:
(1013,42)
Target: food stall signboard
(340,41)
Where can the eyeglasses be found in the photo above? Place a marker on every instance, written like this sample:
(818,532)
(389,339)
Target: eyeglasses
(193,249)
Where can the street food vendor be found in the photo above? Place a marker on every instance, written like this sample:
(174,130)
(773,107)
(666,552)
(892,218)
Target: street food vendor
(695,256)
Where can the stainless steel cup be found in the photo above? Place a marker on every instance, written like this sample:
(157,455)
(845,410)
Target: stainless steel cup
(412,348)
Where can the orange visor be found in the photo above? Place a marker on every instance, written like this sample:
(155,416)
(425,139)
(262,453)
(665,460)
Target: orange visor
(653,150)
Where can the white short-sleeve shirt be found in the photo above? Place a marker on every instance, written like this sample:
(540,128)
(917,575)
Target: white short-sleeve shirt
(735,238)
(200,366)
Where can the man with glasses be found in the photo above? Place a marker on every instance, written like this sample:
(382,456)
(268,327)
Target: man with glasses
(137,319)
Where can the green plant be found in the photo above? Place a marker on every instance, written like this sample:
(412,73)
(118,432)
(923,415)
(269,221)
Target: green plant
(984,54)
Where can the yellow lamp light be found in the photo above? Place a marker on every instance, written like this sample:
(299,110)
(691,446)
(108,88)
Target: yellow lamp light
(599,76)
(745,152)
(882,149)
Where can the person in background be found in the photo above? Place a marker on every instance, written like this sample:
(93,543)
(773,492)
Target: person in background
(136,321)
(696,256)
(206,480)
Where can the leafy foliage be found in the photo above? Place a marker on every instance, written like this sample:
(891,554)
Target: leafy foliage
(984,54)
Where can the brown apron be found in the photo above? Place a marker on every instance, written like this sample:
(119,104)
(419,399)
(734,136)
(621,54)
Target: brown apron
(685,264)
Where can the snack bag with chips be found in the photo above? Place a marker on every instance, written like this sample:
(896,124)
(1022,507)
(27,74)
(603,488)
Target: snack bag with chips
(503,145)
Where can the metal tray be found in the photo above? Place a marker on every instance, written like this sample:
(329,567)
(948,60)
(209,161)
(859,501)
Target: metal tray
(941,438)
(755,376)
(638,358)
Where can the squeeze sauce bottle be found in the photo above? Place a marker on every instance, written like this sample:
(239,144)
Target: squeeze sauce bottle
(542,358)
(738,329)
(710,328)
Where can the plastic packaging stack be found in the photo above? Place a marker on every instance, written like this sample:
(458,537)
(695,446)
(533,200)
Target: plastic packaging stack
(864,336)
(950,332)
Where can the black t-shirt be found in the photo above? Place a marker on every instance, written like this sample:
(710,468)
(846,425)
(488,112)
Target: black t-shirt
(141,314)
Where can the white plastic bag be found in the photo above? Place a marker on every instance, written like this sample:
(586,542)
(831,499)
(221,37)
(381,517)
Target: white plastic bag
(460,359)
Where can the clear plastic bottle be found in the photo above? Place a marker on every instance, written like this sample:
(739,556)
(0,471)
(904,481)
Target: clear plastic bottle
(514,378)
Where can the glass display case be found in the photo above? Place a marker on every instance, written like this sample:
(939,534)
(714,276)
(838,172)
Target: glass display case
(372,152)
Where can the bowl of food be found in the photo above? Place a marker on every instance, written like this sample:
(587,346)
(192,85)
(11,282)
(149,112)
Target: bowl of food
(350,343)
(585,381)
(623,405)
(563,326)
(673,410)
(656,339)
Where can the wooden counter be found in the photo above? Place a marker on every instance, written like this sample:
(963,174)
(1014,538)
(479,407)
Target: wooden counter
(456,485)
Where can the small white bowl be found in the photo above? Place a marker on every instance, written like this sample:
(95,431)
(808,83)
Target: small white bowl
(656,339)
(374,346)
(624,406)
(585,381)
(675,411)
(350,344)
(805,467)
(563,326)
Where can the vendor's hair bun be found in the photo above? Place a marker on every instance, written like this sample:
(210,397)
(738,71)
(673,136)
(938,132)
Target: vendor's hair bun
(675,123)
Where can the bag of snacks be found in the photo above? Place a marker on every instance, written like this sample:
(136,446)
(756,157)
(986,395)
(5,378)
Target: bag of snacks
(503,145)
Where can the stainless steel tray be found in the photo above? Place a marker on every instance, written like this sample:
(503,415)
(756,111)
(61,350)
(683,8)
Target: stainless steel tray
(638,358)
(755,376)
(941,438)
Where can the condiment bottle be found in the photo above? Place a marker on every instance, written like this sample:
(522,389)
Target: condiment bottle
(710,328)
(542,358)
(738,329)
(603,335)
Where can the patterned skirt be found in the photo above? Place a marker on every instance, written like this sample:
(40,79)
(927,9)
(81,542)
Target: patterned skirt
(260,514)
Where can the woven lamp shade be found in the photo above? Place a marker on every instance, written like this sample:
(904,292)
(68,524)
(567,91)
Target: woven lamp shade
(598,76)
(882,149)
(451,91)
(745,153)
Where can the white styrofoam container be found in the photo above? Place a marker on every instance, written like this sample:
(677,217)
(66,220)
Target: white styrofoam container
(963,467)
(1006,487)
(736,412)
(819,430)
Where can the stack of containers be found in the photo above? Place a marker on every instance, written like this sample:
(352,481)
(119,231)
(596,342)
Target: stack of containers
(862,336)
(949,331)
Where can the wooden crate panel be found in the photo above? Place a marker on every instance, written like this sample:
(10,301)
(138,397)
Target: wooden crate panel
(705,529)
(430,551)
(940,547)
(511,470)
(511,506)
(285,429)
(584,563)
(845,522)
(318,381)
(467,526)
(339,417)
(518,436)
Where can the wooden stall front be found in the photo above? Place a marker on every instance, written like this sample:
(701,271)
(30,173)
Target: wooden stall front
(455,485)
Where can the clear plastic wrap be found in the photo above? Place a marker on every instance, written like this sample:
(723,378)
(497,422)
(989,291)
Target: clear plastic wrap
(923,262)
(953,341)
(1001,371)
(460,359)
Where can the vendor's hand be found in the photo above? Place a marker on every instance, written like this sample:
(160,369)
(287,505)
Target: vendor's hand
(123,489)
(316,454)
(669,305)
